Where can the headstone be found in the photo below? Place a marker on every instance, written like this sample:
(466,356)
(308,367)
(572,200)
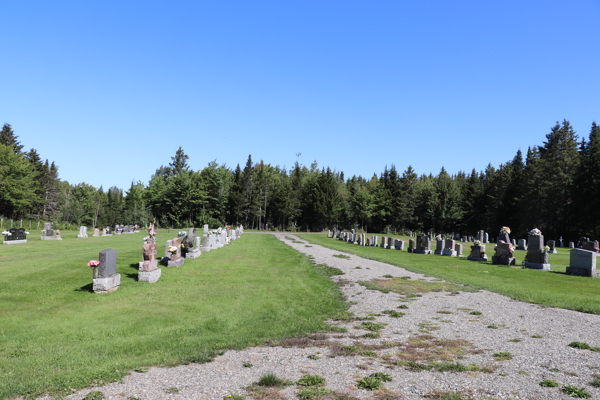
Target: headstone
(591,246)
(15,236)
(374,241)
(449,248)
(439,247)
(149,271)
(582,263)
(522,244)
(105,277)
(552,245)
(458,249)
(486,238)
(423,245)
(383,244)
(571,245)
(82,232)
(399,244)
(514,242)
(189,243)
(173,258)
(504,254)
(465,239)
(49,233)
(537,254)
(561,242)
(411,245)
(477,252)
(96,232)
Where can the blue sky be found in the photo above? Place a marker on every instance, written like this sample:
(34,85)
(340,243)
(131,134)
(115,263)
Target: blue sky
(110,89)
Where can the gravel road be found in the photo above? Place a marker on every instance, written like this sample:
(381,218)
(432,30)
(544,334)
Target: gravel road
(437,322)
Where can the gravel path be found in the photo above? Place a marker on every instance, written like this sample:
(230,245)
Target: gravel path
(516,324)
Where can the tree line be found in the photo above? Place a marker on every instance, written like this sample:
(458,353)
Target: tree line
(554,186)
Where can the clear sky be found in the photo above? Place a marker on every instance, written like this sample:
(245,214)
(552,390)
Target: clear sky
(110,89)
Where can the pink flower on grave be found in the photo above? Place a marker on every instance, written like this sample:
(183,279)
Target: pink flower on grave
(93,263)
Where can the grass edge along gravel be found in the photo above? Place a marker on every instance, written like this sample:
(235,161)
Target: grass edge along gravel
(56,336)
(549,289)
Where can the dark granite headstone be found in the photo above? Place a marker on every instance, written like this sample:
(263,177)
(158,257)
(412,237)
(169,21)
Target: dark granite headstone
(108,263)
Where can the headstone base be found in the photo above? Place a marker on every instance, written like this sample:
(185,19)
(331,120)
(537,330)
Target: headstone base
(583,272)
(82,236)
(471,258)
(504,260)
(422,251)
(522,248)
(389,247)
(50,238)
(95,235)
(125,233)
(410,250)
(149,276)
(106,285)
(439,252)
(449,253)
(117,233)
(553,251)
(193,253)
(205,249)
(543,267)
(15,241)
(166,261)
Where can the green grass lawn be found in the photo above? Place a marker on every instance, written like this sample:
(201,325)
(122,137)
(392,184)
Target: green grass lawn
(553,289)
(56,334)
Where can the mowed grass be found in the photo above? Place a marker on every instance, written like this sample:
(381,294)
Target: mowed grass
(55,334)
(552,289)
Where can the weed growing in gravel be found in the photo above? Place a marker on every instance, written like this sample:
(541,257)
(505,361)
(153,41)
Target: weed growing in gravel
(171,390)
(439,395)
(583,346)
(297,241)
(247,364)
(133,398)
(141,370)
(272,380)
(548,383)
(537,336)
(444,312)
(373,381)
(476,313)
(311,380)
(234,397)
(574,391)
(313,357)
(388,276)
(428,327)
(410,287)
(329,271)
(372,335)
(95,395)
(345,257)
(358,268)
(307,245)
(313,393)
(595,382)
(516,340)
(554,370)
(393,313)
(370,326)
(492,326)
(404,306)
(290,238)
(523,372)
(503,356)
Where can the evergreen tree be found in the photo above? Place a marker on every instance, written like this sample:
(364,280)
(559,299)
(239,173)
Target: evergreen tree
(8,137)
(179,163)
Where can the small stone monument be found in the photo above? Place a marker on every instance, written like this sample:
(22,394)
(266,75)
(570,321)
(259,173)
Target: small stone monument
(458,249)
(522,244)
(96,232)
(172,253)
(504,249)
(49,233)
(439,246)
(449,248)
(423,245)
(191,245)
(118,229)
(537,254)
(105,278)
(15,236)
(411,245)
(82,232)
(583,263)
(399,244)
(552,245)
(374,240)
(477,252)
(571,245)
(149,271)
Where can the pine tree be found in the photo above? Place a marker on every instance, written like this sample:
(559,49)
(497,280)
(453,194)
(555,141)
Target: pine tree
(179,162)
(8,137)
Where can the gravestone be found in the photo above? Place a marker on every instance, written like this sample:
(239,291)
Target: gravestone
(449,248)
(522,244)
(486,238)
(571,245)
(383,242)
(362,239)
(49,233)
(190,244)
(374,241)
(82,232)
(173,259)
(411,245)
(96,232)
(149,271)
(477,252)
(552,245)
(423,245)
(504,254)
(15,236)
(583,263)
(439,247)
(591,246)
(514,242)
(458,249)
(399,244)
(537,256)
(561,242)
(465,239)
(105,278)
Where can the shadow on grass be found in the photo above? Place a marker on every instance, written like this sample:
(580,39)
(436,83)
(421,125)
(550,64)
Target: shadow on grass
(135,266)
(132,276)
(86,288)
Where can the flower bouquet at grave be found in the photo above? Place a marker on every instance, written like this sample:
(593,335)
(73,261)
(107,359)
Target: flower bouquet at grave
(181,234)
(172,249)
(93,264)
(477,242)
(545,249)
(505,229)
(7,233)
(535,232)
(27,233)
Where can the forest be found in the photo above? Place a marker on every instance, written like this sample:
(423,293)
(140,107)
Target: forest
(555,187)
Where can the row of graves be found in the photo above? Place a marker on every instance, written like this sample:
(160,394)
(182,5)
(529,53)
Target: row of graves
(582,260)
(19,235)
(186,245)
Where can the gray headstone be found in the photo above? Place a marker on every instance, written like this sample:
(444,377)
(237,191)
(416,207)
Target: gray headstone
(205,228)
(108,263)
